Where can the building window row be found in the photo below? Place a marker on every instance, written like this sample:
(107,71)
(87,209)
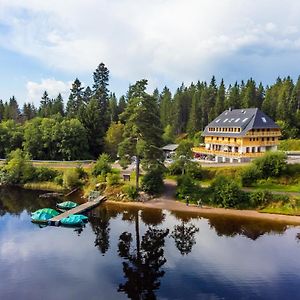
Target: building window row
(226,129)
(262,139)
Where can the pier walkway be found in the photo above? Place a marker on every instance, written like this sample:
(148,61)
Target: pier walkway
(55,221)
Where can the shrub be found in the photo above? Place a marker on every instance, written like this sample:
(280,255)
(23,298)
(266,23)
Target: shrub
(81,172)
(17,168)
(59,179)
(130,191)
(194,170)
(102,166)
(44,174)
(112,179)
(186,186)
(226,192)
(180,166)
(272,164)
(250,175)
(71,179)
(260,198)
(152,182)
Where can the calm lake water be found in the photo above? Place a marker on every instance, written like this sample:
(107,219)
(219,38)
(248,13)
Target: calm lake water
(125,253)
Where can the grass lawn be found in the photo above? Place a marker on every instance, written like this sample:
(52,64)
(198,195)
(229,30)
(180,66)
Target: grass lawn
(44,186)
(277,187)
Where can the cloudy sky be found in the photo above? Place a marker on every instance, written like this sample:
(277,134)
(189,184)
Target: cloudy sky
(47,44)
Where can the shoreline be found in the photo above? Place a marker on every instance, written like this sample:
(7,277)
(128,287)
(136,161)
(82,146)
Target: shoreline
(173,205)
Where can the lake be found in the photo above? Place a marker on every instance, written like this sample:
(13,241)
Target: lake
(124,252)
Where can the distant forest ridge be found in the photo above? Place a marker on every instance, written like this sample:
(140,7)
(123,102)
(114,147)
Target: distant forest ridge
(91,111)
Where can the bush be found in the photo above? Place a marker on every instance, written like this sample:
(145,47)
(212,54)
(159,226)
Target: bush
(102,166)
(17,168)
(112,179)
(186,186)
(130,191)
(81,172)
(44,174)
(59,179)
(227,193)
(180,166)
(71,179)
(152,182)
(250,175)
(194,170)
(260,198)
(272,164)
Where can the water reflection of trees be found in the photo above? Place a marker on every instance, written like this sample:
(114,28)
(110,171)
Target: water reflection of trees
(99,221)
(16,200)
(184,237)
(142,263)
(250,228)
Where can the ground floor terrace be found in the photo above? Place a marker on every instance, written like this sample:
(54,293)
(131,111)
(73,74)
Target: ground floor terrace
(222,153)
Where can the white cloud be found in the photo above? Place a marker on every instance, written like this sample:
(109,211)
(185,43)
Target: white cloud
(178,40)
(53,87)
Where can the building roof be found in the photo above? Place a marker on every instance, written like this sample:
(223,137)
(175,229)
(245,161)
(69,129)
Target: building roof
(246,119)
(170,147)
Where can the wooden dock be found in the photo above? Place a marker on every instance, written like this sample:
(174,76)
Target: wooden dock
(55,221)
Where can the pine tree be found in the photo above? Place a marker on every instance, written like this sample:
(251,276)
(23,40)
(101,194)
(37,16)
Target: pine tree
(58,105)
(233,99)
(75,99)
(121,105)
(87,95)
(101,92)
(1,110)
(143,130)
(220,102)
(249,96)
(194,120)
(45,106)
(165,107)
(113,108)
(29,111)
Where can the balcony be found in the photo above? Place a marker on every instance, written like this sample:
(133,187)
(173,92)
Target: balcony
(203,150)
(263,133)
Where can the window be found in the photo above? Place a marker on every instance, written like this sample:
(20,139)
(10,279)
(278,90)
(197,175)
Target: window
(264,119)
(225,120)
(217,121)
(262,139)
(237,120)
(235,139)
(245,120)
(273,139)
(268,139)
(222,138)
(217,138)
(228,139)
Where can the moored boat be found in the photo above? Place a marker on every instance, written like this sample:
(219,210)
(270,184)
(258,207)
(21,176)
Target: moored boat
(74,220)
(66,205)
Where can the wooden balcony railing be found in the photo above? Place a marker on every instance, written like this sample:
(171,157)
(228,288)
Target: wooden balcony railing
(263,133)
(203,150)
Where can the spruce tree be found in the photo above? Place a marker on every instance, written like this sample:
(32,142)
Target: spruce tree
(220,101)
(75,99)
(101,92)
(113,108)
(165,107)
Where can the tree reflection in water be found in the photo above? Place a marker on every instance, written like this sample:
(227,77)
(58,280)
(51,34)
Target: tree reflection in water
(184,237)
(142,263)
(252,229)
(100,225)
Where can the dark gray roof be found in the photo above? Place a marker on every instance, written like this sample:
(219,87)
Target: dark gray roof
(170,147)
(246,119)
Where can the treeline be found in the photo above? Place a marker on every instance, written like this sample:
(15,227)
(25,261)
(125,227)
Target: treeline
(92,121)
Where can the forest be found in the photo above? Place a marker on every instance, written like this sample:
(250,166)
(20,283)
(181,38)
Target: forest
(93,120)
